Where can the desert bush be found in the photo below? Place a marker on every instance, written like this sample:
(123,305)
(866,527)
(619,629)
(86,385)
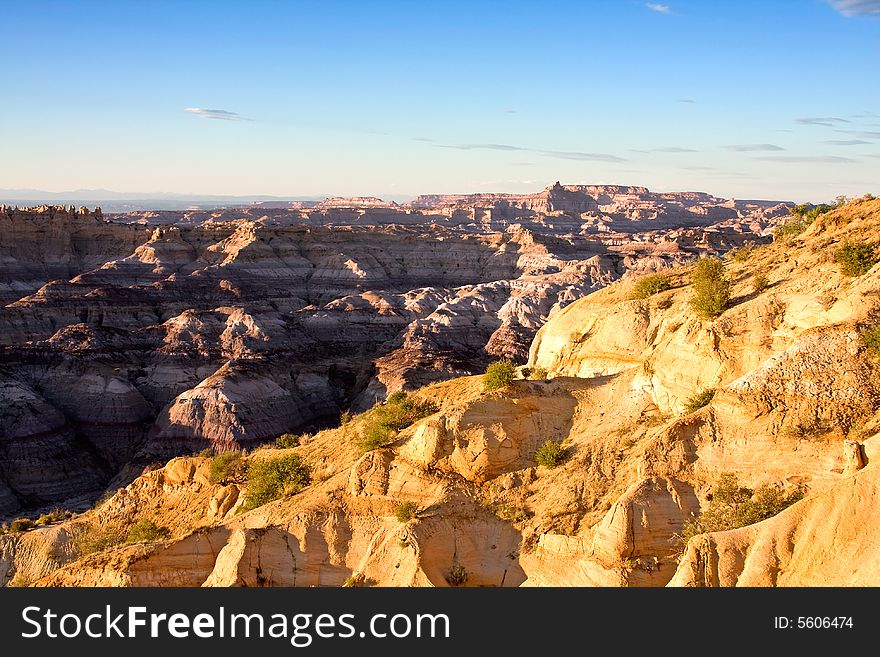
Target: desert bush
(538,374)
(55,515)
(457,575)
(807,212)
(344,418)
(711,288)
(287,440)
(354,581)
(406,511)
(699,399)
(21,525)
(803,427)
(225,466)
(650,285)
(146,531)
(743,253)
(499,374)
(760,283)
(550,454)
(870,339)
(789,229)
(97,539)
(855,257)
(271,479)
(385,420)
(732,506)
(512,512)
(20,581)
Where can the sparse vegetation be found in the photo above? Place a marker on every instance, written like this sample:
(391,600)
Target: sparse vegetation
(225,466)
(385,420)
(55,515)
(855,257)
(97,539)
(696,401)
(743,253)
(354,581)
(760,283)
(538,374)
(870,339)
(21,525)
(146,531)
(650,285)
(789,229)
(711,288)
(287,440)
(550,454)
(271,479)
(405,511)
(732,506)
(803,427)
(807,212)
(20,581)
(344,418)
(499,374)
(512,512)
(457,575)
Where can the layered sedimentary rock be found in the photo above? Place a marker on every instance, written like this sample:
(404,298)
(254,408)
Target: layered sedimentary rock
(796,408)
(144,336)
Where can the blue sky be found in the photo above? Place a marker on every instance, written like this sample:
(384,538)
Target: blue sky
(770,99)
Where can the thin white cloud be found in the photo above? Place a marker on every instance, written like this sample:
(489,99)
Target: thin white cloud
(821,120)
(857,7)
(659,8)
(814,159)
(564,155)
(218,114)
(690,101)
(862,134)
(746,148)
(665,149)
(845,142)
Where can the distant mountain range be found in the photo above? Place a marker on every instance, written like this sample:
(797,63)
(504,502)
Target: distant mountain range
(112,201)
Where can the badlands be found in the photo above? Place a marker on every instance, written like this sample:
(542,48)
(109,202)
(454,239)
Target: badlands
(136,348)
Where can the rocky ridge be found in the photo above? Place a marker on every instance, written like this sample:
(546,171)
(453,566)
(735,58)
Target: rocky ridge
(795,407)
(126,339)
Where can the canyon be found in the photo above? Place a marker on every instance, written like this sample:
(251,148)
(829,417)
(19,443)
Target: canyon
(129,339)
(796,407)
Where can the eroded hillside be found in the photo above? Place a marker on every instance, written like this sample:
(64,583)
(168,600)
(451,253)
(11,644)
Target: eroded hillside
(456,497)
(122,343)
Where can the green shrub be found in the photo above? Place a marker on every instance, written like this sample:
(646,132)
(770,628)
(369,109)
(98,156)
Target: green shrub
(21,525)
(55,515)
(789,229)
(855,257)
(457,575)
(711,288)
(550,454)
(271,479)
(743,253)
(146,531)
(20,581)
(385,420)
(650,285)
(406,511)
(287,440)
(696,401)
(512,512)
(208,452)
(760,283)
(499,374)
(225,466)
(97,539)
(344,418)
(870,339)
(538,374)
(807,212)
(732,506)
